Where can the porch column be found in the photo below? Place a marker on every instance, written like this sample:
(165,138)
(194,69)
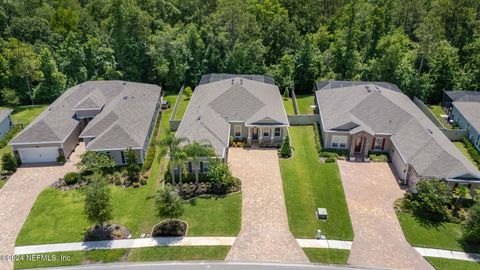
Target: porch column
(272,134)
(284,133)
(249,135)
(367,146)
(352,145)
(260,137)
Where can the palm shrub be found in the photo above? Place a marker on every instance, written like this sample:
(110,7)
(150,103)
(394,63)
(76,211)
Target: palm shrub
(286,149)
(471,227)
(220,175)
(9,163)
(195,151)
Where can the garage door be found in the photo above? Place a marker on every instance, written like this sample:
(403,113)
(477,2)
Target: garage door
(398,163)
(38,155)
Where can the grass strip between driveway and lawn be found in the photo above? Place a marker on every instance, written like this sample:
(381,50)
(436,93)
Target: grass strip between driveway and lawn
(327,255)
(123,255)
(449,264)
(309,184)
(57,216)
(441,235)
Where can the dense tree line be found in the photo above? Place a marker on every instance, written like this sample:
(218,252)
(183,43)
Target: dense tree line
(423,46)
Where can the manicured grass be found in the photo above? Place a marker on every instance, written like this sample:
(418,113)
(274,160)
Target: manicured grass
(448,264)
(57,216)
(304,103)
(309,184)
(2,182)
(327,255)
(117,255)
(178,253)
(438,111)
(288,104)
(441,235)
(461,146)
(182,107)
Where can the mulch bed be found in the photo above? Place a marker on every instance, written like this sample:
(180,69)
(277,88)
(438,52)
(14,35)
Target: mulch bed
(189,190)
(107,232)
(174,227)
(60,185)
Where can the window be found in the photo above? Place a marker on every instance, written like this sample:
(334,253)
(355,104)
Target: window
(339,141)
(266,132)
(237,131)
(378,144)
(190,167)
(108,154)
(204,167)
(123,157)
(478,141)
(277,132)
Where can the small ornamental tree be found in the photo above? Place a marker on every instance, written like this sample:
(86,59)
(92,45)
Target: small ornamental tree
(286,149)
(188,92)
(431,199)
(169,204)
(133,168)
(95,162)
(9,163)
(97,203)
(471,227)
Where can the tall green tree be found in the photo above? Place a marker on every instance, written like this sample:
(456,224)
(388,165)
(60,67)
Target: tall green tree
(54,82)
(97,203)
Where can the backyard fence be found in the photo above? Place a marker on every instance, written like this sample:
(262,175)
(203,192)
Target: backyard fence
(303,119)
(175,123)
(294,99)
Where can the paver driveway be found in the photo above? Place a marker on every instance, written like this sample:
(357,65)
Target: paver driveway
(371,190)
(265,236)
(18,195)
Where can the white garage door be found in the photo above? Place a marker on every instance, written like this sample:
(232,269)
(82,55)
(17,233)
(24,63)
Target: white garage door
(37,155)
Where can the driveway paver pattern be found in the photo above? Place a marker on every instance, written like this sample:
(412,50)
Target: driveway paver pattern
(371,190)
(18,195)
(265,235)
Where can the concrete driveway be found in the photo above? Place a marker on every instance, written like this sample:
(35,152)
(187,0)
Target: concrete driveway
(265,235)
(18,195)
(371,189)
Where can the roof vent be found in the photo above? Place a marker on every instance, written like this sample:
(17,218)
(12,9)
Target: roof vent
(430,131)
(241,81)
(199,117)
(368,88)
(125,98)
(233,80)
(124,83)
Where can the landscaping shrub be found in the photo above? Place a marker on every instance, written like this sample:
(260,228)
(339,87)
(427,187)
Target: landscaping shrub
(168,202)
(9,163)
(170,228)
(188,92)
(152,149)
(318,139)
(61,159)
(96,162)
(97,202)
(220,175)
(378,157)
(474,153)
(330,160)
(71,178)
(431,200)
(286,149)
(133,168)
(471,227)
(9,136)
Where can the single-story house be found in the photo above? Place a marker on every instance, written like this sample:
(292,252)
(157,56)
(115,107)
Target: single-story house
(465,96)
(363,118)
(109,116)
(242,107)
(466,114)
(6,122)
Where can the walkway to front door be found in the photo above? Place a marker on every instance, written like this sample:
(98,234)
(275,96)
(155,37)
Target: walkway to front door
(265,236)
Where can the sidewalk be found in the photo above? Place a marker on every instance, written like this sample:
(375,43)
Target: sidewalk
(448,254)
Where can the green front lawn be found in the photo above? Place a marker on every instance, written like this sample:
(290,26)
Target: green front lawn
(448,264)
(288,104)
(117,255)
(327,255)
(182,107)
(441,235)
(2,182)
(309,184)
(178,253)
(304,103)
(57,216)
(438,111)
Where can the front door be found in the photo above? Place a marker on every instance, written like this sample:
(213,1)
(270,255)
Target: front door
(358,144)
(255,133)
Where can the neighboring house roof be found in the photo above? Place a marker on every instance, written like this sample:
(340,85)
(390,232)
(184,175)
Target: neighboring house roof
(463,95)
(4,114)
(215,77)
(214,105)
(379,110)
(339,84)
(470,111)
(124,122)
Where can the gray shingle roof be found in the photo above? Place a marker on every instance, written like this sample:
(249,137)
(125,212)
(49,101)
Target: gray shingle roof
(339,84)
(471,112)
(4,114)
(462,95)
(374,108)
(128,109)
(215,77)
(213,105)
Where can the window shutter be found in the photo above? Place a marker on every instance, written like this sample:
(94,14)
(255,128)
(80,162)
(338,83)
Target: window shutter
(201,166)
(383,144)
(373,143)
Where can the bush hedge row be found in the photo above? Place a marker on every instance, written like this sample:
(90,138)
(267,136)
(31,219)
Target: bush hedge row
(13,131)
(152,150)
(474,153)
